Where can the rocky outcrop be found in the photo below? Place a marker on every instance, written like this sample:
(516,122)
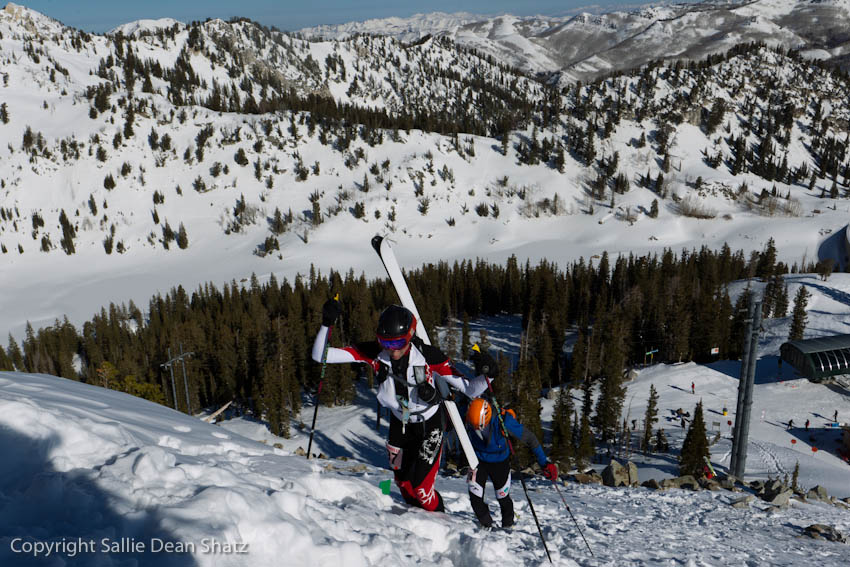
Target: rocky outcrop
(589,477)
(822,531)
(817,492)
(685,482)
(615,475)
(743,502)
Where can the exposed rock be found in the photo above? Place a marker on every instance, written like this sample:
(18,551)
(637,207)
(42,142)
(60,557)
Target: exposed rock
(615,474)
(300,452)
(587,478)
(770,489)
(780,499)
(730,483)
(710,484)
(652,484)
(743,502)
(684,482)
(818,493)
(633,474)
(356,468)
(822,531)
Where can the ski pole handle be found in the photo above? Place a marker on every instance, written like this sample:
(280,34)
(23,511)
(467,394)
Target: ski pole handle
(321,380)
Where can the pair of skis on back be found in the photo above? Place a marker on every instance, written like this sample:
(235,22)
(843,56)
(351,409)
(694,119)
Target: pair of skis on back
(387,256)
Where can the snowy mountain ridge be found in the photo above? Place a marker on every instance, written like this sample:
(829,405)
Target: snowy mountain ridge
(269,152)
(586,46)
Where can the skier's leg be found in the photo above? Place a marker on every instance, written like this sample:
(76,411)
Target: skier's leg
(426,462)
(476,479)
(400,462)
(501,475)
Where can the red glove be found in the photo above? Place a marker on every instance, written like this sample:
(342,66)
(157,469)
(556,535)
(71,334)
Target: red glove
(550,471)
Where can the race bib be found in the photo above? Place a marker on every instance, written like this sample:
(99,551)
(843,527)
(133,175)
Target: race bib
(394,456)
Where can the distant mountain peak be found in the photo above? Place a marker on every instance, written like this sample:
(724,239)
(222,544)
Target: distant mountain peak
(141,26)
(404,29)
(28,18)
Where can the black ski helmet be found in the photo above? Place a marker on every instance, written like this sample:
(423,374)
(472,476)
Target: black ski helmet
(396,327)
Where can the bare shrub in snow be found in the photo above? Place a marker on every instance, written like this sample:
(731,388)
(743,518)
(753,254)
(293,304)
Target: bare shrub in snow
(694,207)
(771,206)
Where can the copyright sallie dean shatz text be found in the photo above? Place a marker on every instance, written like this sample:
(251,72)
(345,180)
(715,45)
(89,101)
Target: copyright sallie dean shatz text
(80,546)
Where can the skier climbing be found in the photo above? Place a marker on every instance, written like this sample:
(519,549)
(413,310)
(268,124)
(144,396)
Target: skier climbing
(404,368)
(493,452)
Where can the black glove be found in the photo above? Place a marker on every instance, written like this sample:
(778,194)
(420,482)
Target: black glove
(484,364)
(331,311)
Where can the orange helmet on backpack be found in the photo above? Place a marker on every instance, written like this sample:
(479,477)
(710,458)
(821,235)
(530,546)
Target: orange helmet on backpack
(479,413)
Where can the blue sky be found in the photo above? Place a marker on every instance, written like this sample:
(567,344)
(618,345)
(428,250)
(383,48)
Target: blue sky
(102,15)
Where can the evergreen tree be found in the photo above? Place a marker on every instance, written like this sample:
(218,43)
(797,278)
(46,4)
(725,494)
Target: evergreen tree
(526,390)
(649,417)
(695,447)
(780,306)
(464,338)
(182,237)
(68,234)
(5,361)
(767,260)
(609,403)
(585,448)
(560,160)
(579,360)
(562,434)
(799,318)
(450,342)
(661,444)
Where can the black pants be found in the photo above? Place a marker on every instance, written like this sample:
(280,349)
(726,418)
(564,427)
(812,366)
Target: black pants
(500,475)
(414,455)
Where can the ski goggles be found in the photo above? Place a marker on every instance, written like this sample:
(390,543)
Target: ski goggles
(393,343)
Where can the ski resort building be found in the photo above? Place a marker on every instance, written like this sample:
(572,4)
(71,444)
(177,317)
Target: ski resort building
(818,359)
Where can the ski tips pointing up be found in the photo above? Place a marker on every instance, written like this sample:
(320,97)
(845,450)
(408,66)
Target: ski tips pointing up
(376,242)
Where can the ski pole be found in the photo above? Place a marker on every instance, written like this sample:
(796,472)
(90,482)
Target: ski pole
(511,449)
(555,484)
(321,379)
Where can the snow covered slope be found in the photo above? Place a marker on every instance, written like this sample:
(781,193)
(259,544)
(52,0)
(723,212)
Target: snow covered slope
(96,477)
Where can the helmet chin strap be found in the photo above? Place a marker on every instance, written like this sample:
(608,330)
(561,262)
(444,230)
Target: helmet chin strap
(484,431)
